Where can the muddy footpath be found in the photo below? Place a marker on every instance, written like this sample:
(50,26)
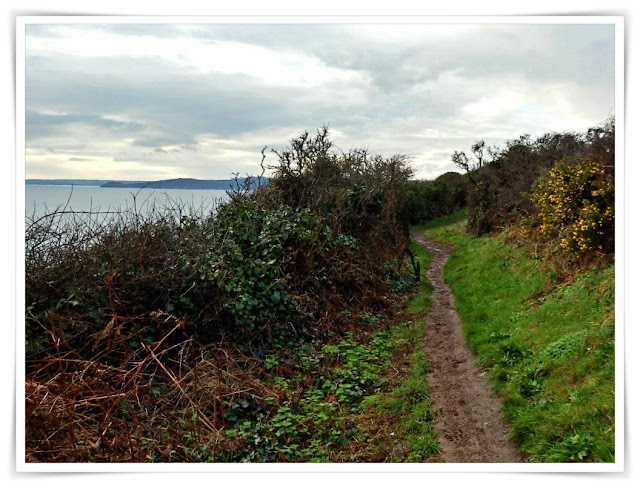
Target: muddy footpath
(468,415)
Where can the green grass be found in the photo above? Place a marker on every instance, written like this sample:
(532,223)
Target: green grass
(548,345)
(458,216)
(410,403)
(421,300)
(451,234)
(413,393)
(364,396)
(403,412)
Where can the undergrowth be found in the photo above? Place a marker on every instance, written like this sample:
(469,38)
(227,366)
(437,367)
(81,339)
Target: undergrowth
(252,333)
(399,419)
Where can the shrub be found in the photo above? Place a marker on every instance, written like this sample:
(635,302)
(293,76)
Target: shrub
(501,180)
(424,201)
(148,334)
(355,193)
(576,206)
(285,267)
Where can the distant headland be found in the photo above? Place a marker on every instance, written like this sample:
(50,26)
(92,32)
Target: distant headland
(172,184)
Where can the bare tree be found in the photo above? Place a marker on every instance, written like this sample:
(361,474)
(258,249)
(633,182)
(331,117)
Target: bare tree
(462,160)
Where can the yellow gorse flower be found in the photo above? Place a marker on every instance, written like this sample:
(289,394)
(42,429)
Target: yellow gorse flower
(575,202)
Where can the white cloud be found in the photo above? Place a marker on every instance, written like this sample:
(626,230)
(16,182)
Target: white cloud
(496,106)
(283,68)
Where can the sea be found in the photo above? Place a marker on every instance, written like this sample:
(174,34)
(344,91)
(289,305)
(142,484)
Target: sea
(41,200)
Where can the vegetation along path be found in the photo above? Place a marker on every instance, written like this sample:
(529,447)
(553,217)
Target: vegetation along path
(468,415)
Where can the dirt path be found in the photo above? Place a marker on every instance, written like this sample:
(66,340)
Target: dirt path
(468,415)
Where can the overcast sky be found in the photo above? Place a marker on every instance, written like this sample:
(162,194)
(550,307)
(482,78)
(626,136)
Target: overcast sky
(148,102)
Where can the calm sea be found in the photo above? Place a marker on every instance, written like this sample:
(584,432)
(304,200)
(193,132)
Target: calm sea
(43,199)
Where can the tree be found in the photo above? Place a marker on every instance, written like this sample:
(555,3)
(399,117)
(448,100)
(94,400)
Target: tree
(462,160)
(501,179)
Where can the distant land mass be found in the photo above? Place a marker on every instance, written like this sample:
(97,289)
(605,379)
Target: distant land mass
(173,184)
(66,182)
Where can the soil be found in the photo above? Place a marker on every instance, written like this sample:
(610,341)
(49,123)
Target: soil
(468,414)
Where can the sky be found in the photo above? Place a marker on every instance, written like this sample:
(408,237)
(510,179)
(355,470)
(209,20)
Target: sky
(159,101)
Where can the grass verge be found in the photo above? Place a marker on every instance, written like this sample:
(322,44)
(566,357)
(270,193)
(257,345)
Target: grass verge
(399,418)
(365,399)
(547,341)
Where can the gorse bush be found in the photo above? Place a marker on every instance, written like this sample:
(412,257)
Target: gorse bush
(500,179)
(575,202)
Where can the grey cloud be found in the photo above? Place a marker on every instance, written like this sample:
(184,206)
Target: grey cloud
(540,52)
(79,159)
(42,30)
(537,51)
(407,87)
(546,51)
(164,140)
(41,124)
(147,30)
(177,103)
(137,30)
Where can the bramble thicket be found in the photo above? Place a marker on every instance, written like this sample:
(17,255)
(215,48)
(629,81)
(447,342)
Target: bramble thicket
(183,336)
(150,337)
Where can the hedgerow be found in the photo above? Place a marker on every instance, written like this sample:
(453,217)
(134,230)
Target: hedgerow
(153,336)
(575,202)
(426,200)
(500,179)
